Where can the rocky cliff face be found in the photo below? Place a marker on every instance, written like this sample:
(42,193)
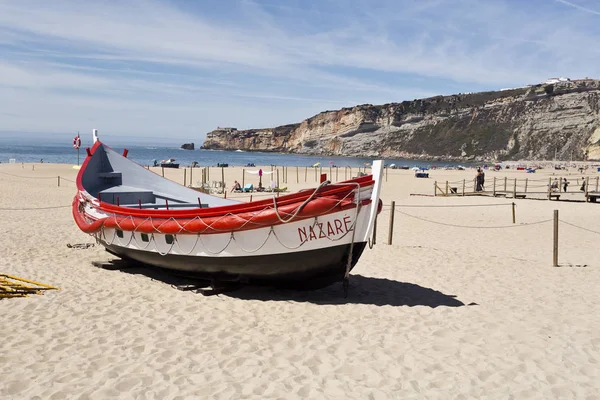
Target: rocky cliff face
(187,146)
(526,123)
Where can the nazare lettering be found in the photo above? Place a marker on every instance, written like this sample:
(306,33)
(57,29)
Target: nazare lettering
(322,230)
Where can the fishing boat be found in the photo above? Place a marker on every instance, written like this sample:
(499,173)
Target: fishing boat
(311,238)
(169,163)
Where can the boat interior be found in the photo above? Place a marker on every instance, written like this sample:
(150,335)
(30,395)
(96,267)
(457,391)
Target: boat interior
(113,179)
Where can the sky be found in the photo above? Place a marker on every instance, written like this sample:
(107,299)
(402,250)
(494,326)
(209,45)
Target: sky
(175,70)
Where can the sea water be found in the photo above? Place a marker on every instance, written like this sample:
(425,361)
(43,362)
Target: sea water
(62,152)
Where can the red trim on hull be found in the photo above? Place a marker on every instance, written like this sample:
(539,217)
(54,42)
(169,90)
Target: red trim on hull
(211,225)
(230,218)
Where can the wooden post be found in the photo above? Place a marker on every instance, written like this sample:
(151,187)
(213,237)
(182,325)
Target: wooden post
(434,188)
(505,179)
(305,173)
(515,189)
(330,172)
(337,171)
(494,188)
(560,185)
(555,241)
(446,188)
(163,171)
(513,213)
(549,188)
(386,173)
(184,176)
(207,174)
(223,179)
(297,176)
(526,180)
(587,186)
(463,193)
(243,177)
(391,228)
(277,179)
(224,193)
(59,181)
(597,183)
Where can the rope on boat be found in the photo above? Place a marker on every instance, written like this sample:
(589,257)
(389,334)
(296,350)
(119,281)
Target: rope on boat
(285,217)
(301,206)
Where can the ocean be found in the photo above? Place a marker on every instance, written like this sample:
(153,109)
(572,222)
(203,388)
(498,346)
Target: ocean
(28,151)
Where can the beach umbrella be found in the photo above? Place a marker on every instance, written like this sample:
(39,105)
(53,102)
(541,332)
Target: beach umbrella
(316,164)
(415,168)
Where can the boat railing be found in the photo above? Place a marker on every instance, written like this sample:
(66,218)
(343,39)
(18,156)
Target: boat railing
(171,206)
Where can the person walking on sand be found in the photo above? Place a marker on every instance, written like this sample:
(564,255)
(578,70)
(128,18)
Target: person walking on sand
(482,180)
(479,180)
(565,184)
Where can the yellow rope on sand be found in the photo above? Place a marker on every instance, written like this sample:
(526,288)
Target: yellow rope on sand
(12,286)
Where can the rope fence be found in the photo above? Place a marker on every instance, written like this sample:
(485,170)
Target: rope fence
(58,177)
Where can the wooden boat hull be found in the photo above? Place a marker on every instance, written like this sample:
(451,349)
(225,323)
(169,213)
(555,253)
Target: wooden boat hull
(311,268)
(309,238)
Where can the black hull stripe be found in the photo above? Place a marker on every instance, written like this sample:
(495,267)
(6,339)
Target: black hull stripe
(327,265)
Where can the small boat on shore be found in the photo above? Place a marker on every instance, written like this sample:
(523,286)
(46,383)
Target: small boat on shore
(170,163)
(312,238)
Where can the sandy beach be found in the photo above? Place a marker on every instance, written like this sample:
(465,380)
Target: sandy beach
(464,304)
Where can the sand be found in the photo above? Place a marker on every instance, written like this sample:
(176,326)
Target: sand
(444,312)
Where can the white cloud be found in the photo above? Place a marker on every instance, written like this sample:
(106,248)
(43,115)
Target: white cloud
(147,65)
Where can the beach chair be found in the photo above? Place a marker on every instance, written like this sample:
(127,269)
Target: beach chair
(248,188)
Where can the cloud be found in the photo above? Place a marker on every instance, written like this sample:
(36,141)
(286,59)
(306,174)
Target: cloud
(578,7)
(151,65)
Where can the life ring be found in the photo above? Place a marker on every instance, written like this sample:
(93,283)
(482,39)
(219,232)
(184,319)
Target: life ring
(76,142)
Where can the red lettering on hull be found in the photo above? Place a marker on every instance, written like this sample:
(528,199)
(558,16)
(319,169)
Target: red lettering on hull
(323,230)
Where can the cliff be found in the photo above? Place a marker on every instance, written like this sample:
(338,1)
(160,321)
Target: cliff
(534,122)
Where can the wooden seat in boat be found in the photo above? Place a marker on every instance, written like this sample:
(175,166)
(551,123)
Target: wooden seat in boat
(127,195)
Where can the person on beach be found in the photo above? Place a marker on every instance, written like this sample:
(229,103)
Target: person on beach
(479,180)
(565,184)
(482,180)
(236,187)
(554,185)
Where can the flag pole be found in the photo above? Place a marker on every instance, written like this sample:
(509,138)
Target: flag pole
(78,150)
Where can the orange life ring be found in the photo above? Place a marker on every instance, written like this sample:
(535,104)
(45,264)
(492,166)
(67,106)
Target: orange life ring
(76,142)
